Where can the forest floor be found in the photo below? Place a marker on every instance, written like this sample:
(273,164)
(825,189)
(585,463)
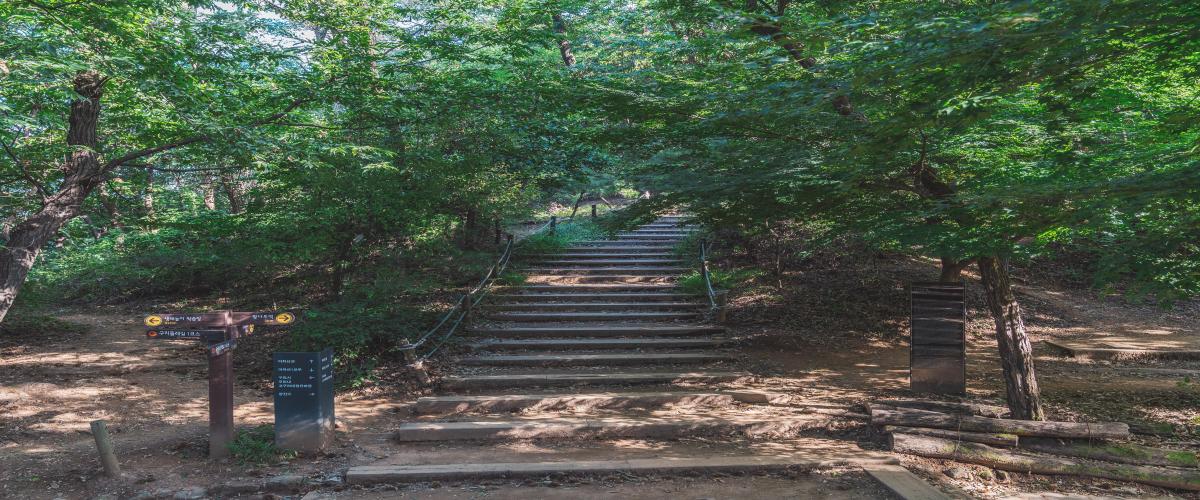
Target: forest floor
(830,337)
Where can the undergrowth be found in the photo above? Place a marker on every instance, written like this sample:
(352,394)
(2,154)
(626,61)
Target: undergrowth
(256,446)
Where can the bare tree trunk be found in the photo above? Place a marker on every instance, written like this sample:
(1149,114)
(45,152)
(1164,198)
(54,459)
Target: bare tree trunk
(233,192)
(148,198)
(578,200)
(952,269)
(209,190)
(564,45)
(83,173)
(1016,353)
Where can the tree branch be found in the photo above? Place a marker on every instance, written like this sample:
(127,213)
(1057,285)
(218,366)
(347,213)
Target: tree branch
(24,171)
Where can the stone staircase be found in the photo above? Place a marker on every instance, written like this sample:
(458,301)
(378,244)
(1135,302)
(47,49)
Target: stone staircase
(599,344)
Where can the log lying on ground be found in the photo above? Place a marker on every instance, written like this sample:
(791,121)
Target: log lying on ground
(981,410)
(1014,461)
(1070,430)
(1126,453)
(997,439)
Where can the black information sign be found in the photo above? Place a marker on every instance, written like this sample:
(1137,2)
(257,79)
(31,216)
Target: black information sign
(205,335)
(304,400)
(938,356)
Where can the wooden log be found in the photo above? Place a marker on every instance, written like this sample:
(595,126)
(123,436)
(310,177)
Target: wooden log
(997,439)
(976,409)
(104,446)
(1071,430)
(1125,453)
(1015,461)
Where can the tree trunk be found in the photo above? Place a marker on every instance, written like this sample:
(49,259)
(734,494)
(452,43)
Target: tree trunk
(564,45)
(952,270)
(992,438)
(148,197)
(1066,430)
(578,200)
(209,190)
(233,192)
(1013,461)
(1016,354)
(83,173)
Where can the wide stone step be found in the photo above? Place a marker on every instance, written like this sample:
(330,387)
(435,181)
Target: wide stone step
(592,359)
(610,279)
(596,288)
(574,379)
(621,270)
(591,316)
(593,245)
(589,254)
(375,474)
(440,405)
(593,296)
(595,306)
(602,262)
(619,343)
(568,330)
(608,428)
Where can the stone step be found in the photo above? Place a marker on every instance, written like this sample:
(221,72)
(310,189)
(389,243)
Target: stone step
(596,331)
(597,296)
(595,306)
(591,316)
(595,288)
(573,379)
(587,254)
(619,343)
(440,405)
(376,474)
(609,428)
(556,262)
(593,245)
(592,359)
(623,270)
(632,236)
(603,279)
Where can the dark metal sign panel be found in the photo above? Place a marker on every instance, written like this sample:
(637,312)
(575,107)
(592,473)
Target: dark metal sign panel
(205,335)
(938,355)
(304,400)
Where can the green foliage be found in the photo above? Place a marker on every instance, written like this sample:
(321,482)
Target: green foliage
(564,234)
(256,446)
(693,282)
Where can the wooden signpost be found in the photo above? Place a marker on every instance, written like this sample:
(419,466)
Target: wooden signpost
(220,330)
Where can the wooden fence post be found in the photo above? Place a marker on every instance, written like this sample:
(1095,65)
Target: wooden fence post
(593,210)
(418,369)
(722,306)
(553,224)
(108,458)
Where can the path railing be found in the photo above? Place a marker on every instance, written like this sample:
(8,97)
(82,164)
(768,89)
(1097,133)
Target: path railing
(716,299)
(444,329)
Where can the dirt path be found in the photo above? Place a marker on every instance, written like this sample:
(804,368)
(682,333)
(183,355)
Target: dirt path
(153,395)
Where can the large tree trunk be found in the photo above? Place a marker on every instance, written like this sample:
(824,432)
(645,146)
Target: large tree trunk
(233,191)
(952,270)
(564,45)
(1016,353)
(83,172)
(209,190)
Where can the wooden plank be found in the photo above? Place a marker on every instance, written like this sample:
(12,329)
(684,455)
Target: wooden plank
(363,475)
(903,483)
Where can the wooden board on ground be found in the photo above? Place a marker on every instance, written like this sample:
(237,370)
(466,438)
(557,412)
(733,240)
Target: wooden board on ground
(903,483)
(1125,351)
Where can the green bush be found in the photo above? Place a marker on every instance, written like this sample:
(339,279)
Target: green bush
(256,446)
(566,233)
(693,282)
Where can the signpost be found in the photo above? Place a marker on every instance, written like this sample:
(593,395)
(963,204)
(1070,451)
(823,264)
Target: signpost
(938,352)
(220,330)
(304,400)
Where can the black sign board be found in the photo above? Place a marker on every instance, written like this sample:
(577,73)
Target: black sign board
(205,335)
(304,400)
(938,353)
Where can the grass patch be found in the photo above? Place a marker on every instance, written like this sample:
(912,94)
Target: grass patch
(566,233)
(693,282)
(256,446)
